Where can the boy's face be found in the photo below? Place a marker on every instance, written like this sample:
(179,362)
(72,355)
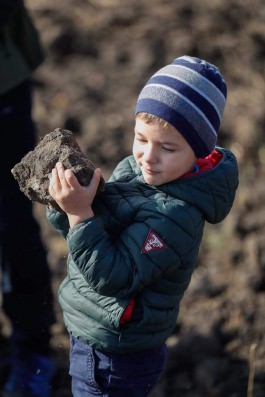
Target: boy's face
(162,154)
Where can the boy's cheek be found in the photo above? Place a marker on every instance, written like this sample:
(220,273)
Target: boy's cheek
(135,152)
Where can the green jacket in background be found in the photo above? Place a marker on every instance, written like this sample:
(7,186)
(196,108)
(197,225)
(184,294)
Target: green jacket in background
(20,48)
(142,244)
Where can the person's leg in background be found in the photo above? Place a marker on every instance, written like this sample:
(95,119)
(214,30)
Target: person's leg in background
(27,293)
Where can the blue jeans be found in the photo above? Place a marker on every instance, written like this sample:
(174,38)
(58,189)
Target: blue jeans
(95,373)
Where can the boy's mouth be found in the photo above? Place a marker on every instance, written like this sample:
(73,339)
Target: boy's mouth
(150,171)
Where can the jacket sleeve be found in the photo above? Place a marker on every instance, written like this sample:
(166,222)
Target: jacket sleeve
(8,7)
(123,267)
(59,221)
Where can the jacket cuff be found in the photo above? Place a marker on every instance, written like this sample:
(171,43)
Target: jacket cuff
(85,233)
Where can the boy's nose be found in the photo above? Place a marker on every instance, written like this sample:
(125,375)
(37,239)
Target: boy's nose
(150,154)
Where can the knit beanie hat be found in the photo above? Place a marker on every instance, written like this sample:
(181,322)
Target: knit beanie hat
(190,94)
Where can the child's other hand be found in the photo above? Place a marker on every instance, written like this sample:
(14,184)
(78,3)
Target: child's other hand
(74,199)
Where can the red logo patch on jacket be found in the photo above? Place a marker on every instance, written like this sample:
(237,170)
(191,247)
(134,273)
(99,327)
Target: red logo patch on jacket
(153,243)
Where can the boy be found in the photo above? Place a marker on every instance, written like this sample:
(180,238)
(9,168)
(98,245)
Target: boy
(133,248)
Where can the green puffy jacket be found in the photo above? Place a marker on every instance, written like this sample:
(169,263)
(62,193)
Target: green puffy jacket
(143,244)
(20,49)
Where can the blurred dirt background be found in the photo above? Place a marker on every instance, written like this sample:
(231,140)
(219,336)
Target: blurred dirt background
(99,54)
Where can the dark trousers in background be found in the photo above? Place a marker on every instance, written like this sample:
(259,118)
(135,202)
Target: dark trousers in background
(27,294)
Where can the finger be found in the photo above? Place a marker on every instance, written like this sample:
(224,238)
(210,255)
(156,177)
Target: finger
(71,179)
(51,190)
(54,180)
(97,174)
(53,185)
(95,180)
(60,170)
(61,174)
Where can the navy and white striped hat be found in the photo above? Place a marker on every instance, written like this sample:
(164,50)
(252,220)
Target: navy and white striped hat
(190,94)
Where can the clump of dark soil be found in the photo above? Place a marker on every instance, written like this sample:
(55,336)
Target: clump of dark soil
(34,170)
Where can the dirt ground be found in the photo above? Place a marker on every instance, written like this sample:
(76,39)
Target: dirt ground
(99,54)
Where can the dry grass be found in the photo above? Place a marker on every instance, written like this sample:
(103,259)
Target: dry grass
(252,356)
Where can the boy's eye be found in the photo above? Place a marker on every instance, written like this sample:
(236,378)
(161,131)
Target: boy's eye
(141,140)
(167,149)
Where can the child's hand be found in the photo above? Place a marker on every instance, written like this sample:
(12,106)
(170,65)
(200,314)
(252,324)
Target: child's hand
(74,199)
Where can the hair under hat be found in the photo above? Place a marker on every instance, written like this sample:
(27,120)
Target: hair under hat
(190,94)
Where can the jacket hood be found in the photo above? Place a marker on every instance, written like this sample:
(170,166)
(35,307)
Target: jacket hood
(212,191)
